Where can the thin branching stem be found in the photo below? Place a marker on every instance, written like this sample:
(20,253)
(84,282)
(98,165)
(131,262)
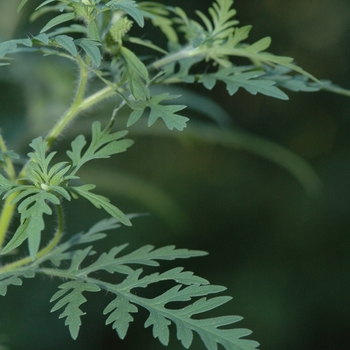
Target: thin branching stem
(9,168)
(6,217)
(186,52)
(75,108)
(79,105)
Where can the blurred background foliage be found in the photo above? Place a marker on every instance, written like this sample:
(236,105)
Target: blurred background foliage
(282,252)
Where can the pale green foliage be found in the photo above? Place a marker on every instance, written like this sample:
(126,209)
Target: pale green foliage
(166,112)
(73,299)
(187,288)
(95,35)
(48,184)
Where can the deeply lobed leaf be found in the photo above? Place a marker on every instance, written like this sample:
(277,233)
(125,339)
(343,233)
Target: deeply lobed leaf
(157,110)
(100,202)
(32,210)
(246,80)
(71,296)
(120,310)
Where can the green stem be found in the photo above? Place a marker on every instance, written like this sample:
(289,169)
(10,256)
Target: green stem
(79,104)
(9,169)
(42,252)
(74,109)
(77,108)
(6,217)
(186,52)
(337,90)
(57,273)
(7,211)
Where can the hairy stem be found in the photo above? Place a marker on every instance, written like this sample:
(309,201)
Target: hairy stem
(75,108)
(186,52)
(6,213)
(79,104)
(6,217)
(9,169)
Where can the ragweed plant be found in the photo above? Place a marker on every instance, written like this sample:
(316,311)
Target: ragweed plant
(97,37)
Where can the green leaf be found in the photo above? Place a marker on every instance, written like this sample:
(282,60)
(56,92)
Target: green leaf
(64,250)
(100,202)
(136,75)
(43,38)
(12,45)
(130,7)
(134,63)
(44,3)
(146,255)
(177,72)
(14,278)
(207,329)
(91,47)
(75,154)
(157,110)
(247,81)
(221,14)
(161,317)
(67,43)
(120,310)
(77,259)
(190,294)
(32,210)
(93,33)
(103,145)
(160,326)
(159,15)
(21,5)
(71,296)
(43,176)
(297,82)
(7,280)
(260,45)
(64,17)
(71,29)
(5,185)
(18,238)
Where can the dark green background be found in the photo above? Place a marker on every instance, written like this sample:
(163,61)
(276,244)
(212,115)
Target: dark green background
(283,255)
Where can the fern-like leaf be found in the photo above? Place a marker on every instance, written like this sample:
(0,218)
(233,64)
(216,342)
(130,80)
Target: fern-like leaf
(71,296)
(159,16)
(14,278)
(296,82)
(157,110)
(47,184)
(221,14)
(120,310)
(146,255)
(188,297)
(32,210)
(189,289)
(103,145)
(100,202)
(7,280)
(246,80)
(161,317)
